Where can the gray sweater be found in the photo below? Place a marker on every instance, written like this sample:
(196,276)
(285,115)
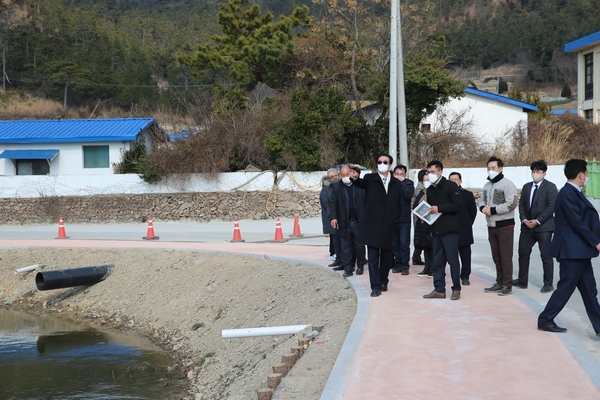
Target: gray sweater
(501,195)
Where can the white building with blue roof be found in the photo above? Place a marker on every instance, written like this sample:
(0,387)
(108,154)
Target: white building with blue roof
(489,116)
(587,49)
(71,147)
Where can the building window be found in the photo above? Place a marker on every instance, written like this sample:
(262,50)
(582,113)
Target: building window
(589,76)
(589,115)
(95,157)
(32,167)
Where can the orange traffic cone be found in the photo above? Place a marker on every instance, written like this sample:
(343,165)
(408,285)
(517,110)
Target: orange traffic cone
(296,228)
(237,235)
(61,229)
(278,233)
(150,235)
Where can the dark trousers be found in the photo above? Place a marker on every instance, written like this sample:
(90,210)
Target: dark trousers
(465,261)
(578,274)
(501,242)
(401,244)
(428,257)
(416,257)
(353,252)
(526,241)
(337,244)
(380,263)
(445,250)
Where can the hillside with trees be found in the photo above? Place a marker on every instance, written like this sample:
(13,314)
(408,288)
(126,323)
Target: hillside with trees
(274,84)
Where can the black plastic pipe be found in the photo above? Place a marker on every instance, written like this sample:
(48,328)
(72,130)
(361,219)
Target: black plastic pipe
(48,280)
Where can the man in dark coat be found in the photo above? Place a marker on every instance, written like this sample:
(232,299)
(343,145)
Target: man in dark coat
(466,218)
(346,211)
(402,226)
(325,199)
(536,211)
(444,198)
(574,245)
(382,206)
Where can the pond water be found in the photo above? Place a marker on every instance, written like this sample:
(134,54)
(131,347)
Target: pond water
(49,357)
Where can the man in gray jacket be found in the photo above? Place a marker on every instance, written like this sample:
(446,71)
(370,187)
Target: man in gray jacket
(498,202)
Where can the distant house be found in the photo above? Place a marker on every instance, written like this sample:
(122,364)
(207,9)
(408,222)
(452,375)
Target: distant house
(74,147)
(490,115)
(588,73)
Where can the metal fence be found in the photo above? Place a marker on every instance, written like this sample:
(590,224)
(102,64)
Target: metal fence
(592,189)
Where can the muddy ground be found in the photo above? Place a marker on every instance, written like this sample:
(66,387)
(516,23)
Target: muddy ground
(182,300)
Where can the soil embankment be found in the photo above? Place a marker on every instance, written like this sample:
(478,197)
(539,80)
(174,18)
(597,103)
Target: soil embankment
(182,300)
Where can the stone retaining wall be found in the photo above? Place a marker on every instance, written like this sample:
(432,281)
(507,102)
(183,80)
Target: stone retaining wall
(166,207)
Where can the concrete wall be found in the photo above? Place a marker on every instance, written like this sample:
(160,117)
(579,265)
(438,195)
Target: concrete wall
(490,119)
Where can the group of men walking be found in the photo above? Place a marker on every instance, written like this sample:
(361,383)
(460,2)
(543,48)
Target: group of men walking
(376,211)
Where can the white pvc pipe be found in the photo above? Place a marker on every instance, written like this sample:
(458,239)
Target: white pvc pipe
(269,331)
(26,269)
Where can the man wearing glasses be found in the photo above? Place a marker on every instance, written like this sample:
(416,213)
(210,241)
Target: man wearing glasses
(383,195)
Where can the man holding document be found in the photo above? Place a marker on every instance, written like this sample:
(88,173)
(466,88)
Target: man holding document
(445,200)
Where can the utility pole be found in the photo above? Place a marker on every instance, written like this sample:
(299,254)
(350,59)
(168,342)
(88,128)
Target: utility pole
(397,113)
(393,111)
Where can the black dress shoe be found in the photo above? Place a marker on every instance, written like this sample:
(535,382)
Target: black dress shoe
(419,262)
(340,268)
(465,282)
(384,287)
(335,264)
(519,284)
(551,327)
(360,270)
(397,270)
(404,271)
(546,289)
(347,274)
(375,293)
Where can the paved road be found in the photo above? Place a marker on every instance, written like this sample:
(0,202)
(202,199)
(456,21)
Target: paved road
(580,341)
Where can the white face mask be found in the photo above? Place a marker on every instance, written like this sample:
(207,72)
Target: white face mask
(493,174)
(346,180)
(537,178)
(383,168)
(426,184)
(432,178)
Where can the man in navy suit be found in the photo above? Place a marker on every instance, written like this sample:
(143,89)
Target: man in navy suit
(536,209)
(574,244)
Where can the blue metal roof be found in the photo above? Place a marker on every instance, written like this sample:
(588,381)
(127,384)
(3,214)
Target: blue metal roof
(580,43)
(70,131)
(562,112)
(503,99)
(30,154)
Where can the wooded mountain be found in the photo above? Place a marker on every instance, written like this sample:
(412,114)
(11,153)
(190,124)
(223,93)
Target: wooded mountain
(121,51)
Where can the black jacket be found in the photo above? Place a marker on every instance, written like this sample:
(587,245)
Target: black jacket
(381,210)
(446,196)
(542,208)
(340,204)
(466,218)
(408,191)
(422,234)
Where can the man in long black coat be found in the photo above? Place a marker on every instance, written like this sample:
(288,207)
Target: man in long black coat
(383,195)
(466,218)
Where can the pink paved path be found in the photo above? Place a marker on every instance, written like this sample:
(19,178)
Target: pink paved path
(482,346)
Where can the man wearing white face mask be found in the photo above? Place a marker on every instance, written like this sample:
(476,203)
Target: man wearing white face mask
(498,202)
(347,203)
(536,211)
(383,194)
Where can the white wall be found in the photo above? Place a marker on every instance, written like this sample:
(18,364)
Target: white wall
(69,159)
(84,185)
(490,118)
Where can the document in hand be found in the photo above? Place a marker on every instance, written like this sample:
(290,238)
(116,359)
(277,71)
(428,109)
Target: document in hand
(422,211)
